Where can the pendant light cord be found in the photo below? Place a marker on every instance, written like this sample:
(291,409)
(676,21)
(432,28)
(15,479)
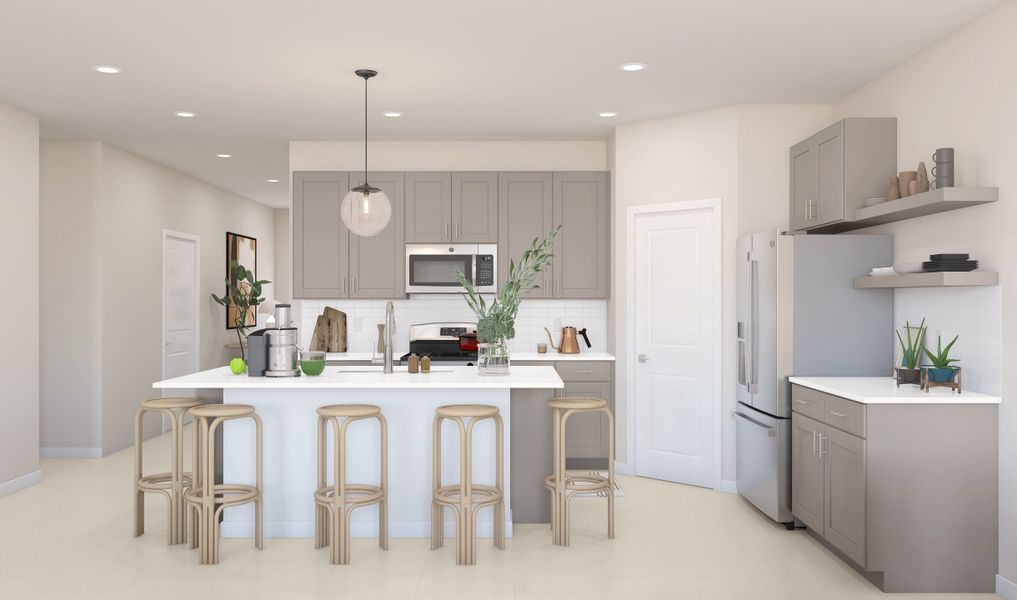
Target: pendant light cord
(365,132)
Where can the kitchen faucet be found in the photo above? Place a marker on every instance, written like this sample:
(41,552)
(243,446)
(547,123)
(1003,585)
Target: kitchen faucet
(389,326)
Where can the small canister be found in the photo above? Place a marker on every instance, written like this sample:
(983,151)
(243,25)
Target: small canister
(413,363)
(425,364)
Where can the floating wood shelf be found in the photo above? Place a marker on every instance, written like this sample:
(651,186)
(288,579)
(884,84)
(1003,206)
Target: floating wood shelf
(917,205)
(948,279)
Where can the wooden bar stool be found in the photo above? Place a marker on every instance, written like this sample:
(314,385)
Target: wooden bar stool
(333,504)
(208,499)
(172,484)
(564,486)
(467,498)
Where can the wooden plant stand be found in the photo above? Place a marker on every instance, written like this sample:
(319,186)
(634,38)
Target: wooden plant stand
(953,385)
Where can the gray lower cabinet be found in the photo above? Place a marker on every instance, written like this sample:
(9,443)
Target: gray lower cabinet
(808,473)
(525,212)
(320,242)
(377,264)
(907,493)
(580,268)
(532,434)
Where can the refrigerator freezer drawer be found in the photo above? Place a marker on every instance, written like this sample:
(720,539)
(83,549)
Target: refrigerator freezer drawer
(763,460)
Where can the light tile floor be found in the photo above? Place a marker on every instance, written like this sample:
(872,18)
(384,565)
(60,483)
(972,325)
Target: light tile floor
(70,537)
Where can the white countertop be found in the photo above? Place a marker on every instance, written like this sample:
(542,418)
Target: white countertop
(884,390)
(552,356)
(440,377)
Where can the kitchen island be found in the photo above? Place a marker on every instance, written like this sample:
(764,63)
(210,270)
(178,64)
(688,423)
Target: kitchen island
(408,401)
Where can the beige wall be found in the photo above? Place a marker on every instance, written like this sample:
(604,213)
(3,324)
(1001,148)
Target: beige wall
(136,200)
(962,93)
(738,154)
(450,156)
(19,274)
(70,403)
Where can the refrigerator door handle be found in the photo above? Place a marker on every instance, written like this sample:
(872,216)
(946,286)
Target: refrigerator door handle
(770,431)
(754,325)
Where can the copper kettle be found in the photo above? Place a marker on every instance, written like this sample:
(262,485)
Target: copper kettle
(569,343)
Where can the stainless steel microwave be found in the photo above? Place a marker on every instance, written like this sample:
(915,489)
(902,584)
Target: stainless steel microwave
(432,268)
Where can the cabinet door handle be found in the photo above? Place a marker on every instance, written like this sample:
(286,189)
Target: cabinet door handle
(353,289)
(821,451)
(813,442)
(456,226)
(838,414)
(444,231)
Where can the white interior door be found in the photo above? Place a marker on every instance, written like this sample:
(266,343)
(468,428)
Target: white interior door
(180,352)
(676,335)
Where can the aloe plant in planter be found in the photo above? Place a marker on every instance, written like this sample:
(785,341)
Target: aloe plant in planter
(942,370)
(908,371)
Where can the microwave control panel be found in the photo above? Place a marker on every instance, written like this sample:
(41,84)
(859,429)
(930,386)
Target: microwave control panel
(485,270)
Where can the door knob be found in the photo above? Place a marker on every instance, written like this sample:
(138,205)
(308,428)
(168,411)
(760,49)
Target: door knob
(642,358)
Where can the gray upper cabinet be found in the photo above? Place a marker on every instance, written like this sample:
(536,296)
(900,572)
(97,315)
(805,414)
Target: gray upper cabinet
(428,208)
(475,207)
(320,241)
(524,213)
(834,171)
(377,264)
(581,250)
(808,473)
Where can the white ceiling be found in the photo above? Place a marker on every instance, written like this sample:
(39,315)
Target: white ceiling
(261,73)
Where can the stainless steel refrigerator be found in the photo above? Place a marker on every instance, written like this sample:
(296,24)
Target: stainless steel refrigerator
(799,314)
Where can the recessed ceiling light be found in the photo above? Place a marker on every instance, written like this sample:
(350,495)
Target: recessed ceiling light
(272,180)
(184,114)
(608,115)
(107,69)
(392,114)
(224,155)
(632,67)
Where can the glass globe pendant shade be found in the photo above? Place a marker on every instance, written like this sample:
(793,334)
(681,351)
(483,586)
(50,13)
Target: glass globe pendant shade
(366,211)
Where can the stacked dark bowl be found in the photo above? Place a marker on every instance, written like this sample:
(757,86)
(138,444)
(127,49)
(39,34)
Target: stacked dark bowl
(939,263)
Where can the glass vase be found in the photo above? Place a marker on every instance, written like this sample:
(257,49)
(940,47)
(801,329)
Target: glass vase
(493,358)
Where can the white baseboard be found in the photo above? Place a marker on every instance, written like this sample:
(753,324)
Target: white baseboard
(19,483)
(1006,588)
(729,486)
(70,452)
(623,468)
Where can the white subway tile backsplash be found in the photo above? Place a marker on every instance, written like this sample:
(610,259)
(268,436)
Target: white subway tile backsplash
(364,315)
(973,313)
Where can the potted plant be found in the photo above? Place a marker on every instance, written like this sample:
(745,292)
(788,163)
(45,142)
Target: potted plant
(496,321)
(243,294)
(911,354)
(941,370)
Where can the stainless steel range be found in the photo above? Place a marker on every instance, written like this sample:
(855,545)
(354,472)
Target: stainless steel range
(445,343)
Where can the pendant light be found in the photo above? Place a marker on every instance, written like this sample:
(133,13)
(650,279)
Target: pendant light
(366,210)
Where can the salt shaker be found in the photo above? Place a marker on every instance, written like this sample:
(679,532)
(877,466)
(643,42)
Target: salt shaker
(425,364)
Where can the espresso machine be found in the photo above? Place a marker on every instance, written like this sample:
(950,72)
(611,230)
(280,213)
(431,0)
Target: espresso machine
(273,352)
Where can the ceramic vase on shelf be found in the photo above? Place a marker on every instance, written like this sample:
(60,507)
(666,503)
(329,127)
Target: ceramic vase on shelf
(493,358)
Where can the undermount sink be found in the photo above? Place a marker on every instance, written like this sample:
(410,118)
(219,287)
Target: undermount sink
(378,369)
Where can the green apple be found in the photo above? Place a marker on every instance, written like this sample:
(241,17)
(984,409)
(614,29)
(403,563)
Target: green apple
(238,366)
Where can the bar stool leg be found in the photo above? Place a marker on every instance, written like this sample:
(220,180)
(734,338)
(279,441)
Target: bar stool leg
(437,511)
(320,515)
(139,496)
(610,474)
(499,508)
(258,500)
(383,505)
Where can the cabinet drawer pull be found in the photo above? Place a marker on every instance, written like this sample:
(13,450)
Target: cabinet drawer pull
(800,401)
(586,372)
(838,414)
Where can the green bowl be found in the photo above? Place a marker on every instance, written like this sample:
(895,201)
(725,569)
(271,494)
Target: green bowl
(312,367)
